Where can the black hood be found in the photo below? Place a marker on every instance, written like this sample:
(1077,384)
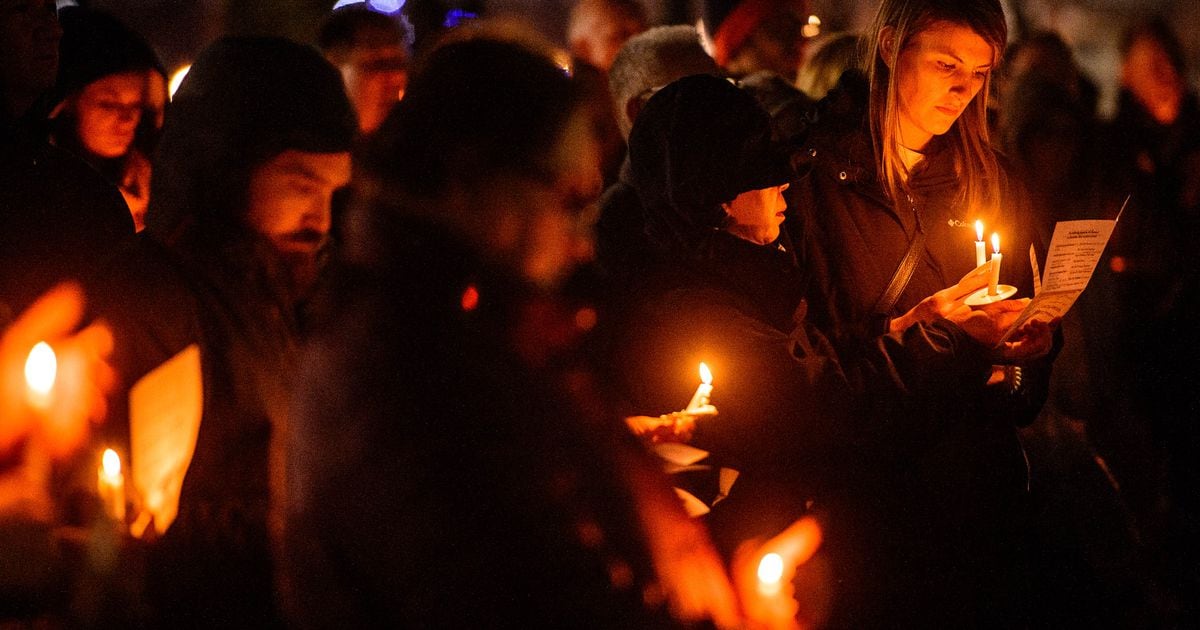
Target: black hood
(244,101)
(698,143)
(95,45)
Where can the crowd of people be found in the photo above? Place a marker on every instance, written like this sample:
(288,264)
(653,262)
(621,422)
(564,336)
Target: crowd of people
(397,329)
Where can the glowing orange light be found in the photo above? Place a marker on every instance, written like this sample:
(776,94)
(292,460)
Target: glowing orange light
(770,573)
(470,298)
(705,374)
(111,463)
(585,318)
(979,230)
(41,370)
(995,243)
(110,485)
(812,28)
(176,79)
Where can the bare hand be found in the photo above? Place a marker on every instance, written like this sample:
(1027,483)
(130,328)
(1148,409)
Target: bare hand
(83,376)
(135,187)
(944,302)
(773,605)
(1033,340)
(677,426)
(987,325)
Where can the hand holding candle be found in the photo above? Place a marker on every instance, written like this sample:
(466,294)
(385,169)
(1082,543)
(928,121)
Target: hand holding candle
(763,574)
(51,379)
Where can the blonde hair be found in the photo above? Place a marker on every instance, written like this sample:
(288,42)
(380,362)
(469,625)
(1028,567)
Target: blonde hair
(976,164)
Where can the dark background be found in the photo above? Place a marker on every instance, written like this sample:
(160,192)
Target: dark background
(178,29)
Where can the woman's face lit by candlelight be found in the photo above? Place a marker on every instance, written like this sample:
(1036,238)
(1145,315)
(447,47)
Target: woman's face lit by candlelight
(109,110)
(938,73)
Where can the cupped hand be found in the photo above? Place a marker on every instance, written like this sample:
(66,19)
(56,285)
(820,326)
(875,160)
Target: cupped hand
(1033,340)
(945,302)
(677,426)
(82,380)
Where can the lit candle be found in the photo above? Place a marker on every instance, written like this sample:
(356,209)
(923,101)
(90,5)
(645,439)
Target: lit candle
(994,281)
(765,580)
(980,254)
(770,574)
(41,370)
(110,485)
(700,398)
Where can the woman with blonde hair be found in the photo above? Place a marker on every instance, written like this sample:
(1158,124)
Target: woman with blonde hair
(900,169)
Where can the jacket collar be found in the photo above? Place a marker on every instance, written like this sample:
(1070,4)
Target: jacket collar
(840,147)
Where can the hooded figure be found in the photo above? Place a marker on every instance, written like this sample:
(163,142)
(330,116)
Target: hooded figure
(58,218)
(113,90)
(254,147)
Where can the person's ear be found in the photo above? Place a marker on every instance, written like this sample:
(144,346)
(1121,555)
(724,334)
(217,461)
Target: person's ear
(887,45)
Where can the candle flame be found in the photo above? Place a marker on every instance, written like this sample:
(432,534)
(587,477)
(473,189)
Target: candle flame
(41,368)
(995,243)
(979,230)
(177,79)
(770,569)
(705,374)
(111,463)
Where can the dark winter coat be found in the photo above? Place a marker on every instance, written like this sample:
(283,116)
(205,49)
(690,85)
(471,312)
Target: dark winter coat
(969,482)
(202,276)
(437,479)
(59,219)
(803,416)
(213,565)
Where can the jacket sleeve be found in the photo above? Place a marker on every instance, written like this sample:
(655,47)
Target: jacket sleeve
(789,398)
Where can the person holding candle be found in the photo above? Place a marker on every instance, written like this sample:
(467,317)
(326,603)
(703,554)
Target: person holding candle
(794,407)
(255,147)
(35,568)
(899,167)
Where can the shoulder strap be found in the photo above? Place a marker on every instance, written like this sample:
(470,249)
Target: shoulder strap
(903,274)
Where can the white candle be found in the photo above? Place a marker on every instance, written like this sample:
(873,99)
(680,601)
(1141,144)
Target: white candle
(41,370)
(110,485)
(994,281)
(703,392)
(980,254)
